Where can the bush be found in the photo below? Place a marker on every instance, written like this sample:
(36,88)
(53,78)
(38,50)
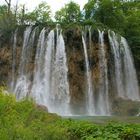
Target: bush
(24,120)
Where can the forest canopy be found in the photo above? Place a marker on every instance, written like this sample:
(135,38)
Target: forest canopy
(122,16)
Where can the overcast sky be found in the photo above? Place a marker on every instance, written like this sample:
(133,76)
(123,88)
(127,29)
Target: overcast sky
(55,4)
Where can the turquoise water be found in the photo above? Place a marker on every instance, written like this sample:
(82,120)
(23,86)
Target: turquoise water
(106,119)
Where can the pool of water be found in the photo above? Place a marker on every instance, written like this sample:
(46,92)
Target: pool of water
(106,119)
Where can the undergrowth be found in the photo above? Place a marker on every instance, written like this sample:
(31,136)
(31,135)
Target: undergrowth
(24,120)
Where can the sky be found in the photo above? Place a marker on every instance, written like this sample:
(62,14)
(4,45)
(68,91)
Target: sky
(55,4)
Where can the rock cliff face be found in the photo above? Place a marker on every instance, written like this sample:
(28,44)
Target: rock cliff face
(76,69)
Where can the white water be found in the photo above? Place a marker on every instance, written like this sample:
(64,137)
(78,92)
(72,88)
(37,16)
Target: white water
(89,96)
(118,64)
(50,85)
(23,59)
(48,68)
(14,60)
(131,83)
(60,85)
(21,87)
(125,73)
(23,83)
(38,83)
(103,101)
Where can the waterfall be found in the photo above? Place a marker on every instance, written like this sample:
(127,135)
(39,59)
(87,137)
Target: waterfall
(90,39)
(14,60)
(22,84)
(103,102)
(43,72)
(60,85)
(89,96)
(38,82)
(131,83)
(125,73)
(48,68)
(50,85)
(118,64)
(23,60)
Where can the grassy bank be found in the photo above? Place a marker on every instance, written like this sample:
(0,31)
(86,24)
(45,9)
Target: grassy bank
(25,120)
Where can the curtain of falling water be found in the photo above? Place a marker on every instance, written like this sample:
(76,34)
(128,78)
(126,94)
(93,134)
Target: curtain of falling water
(118,64)
(103,102)
(125,73)
(14,60)
(38,85)
(22,84)
(60,84)
(89,93)
(50,86)
(131,82)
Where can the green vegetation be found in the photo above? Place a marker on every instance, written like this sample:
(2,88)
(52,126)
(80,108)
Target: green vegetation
(25,120)
(41,14)
(70,13)
(119,15)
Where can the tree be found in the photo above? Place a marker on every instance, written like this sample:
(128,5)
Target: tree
(132,26)
(69,13)
(7,23)
(3,10)
(89,9)
(9,5)
(107,12)
(6,19)
(60,15)
(41,14)
(21,16)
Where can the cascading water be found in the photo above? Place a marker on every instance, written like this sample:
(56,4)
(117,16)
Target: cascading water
(60,85)
(89,30)
(125,73)
(118,63)
(23,61)
(37,90)
(46,79)
(50,86)
(48,66)
(22,84)
(103,102)
(14,60)
(131,83)
(89,96)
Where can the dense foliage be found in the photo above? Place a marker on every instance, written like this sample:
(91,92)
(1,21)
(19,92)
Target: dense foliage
(26,121)
(69,13)
(41,14)
(119,15)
